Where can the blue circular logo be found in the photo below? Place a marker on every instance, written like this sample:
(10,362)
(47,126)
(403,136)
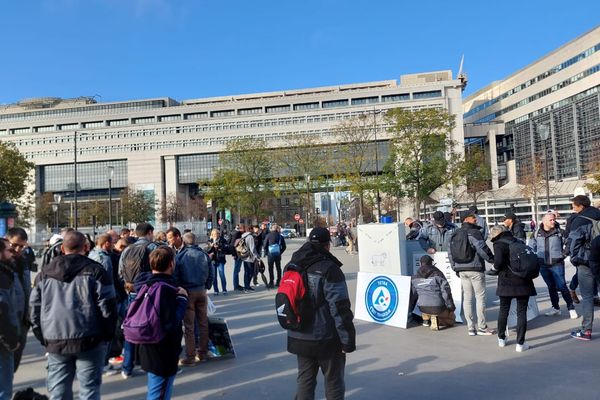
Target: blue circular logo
(381,298)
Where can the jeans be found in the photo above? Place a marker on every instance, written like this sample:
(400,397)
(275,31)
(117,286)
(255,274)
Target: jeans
(7,365)
(128,348)
(159,387)
(473,284)
(220,268)
(554,276)
(237,265)
(274,260)
(586,286)
(88,367)
(333,373)
(248,273)
(196,311)
(522,302)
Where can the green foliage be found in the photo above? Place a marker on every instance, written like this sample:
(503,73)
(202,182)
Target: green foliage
(476,172)
(14,172)
(137,205)
(594,186)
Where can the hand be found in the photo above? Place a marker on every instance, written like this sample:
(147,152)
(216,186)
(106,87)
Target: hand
(430,250)
(182,291)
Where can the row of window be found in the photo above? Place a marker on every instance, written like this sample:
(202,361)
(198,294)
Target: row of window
(90,175)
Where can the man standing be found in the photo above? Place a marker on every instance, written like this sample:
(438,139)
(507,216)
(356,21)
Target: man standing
(480,222)
(194,274)
(436,237)
(237,261)
(580,238)
(274,248)
(467,253)
(73,312)
(515,226)
(330,334)
(250,259)
(101,253)
(174,239)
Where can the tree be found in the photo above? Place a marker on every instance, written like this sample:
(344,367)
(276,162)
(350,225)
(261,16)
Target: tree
(172,208)
(137,206)
(14,172)
(594,186)
(392,185)
(533,183)
(477,173)
(423,150)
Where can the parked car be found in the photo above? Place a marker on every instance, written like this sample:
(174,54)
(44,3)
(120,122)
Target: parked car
(288,233)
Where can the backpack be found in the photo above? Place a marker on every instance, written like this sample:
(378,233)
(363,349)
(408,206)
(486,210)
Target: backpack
(142,324)
(135,260)
(292,302)
(523,261)
(595,230)
(460,248)
(275,249)
(241,248)
(51,252)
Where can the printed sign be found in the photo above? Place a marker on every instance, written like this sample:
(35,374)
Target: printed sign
(381,249)
(383,298)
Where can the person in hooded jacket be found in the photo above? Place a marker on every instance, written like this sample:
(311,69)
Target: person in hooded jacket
(436,236)
(431,290)
(160,360)
(510,286)
(330,334)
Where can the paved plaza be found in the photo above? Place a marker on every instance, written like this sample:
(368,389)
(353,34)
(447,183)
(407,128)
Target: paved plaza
(389,363)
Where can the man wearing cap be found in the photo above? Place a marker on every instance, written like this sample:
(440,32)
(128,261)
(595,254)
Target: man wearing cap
(515,226)
(485,231)
(330,334)
(436,237)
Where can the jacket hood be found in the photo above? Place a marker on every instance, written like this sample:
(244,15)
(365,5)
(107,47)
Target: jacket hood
(149,278)
(65,268)
(591,212)
(311,253)
(505,234)
(425,271)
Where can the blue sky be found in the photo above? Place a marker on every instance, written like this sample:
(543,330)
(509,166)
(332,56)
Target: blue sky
(184,49)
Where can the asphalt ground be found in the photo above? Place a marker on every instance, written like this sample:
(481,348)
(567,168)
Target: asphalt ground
(389,363)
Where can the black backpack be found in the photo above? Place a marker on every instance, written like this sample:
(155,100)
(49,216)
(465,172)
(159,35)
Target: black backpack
(136,259)
(523,261)
(51,252)
(460,248)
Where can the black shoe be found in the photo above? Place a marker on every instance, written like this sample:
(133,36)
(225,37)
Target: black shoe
(251,289)
(239,288)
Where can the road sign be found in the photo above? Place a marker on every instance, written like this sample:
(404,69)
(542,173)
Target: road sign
(297,217)
(301,221)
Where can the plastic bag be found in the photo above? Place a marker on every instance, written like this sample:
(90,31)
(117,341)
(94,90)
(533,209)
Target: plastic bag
(211,308)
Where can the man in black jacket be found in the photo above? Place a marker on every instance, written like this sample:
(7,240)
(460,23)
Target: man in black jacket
(331,333)
(515,226)
(273,242)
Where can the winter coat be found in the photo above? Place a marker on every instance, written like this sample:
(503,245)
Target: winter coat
(431,288)
(102,257)
(581,234)
(234,237)
(509,285)
(432,236)
(331,329)
(192,269)
(73,305)
(162,358)
(482,251)
(548,245)
(217,255)
(12,307)
(251,244)
(518,230)
(595,257)
(275,238)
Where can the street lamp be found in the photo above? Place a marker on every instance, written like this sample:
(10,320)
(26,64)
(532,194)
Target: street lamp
(543,131)
(110,171)
(307,178)
(55,206)
(75,179)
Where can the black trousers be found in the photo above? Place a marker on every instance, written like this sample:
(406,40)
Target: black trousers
(277,262)
(522,302)
(333,372)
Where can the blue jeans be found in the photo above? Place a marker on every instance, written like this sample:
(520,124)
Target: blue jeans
(586,286)
(88,367)
(248,273)
(7,364)
(220,268)
(128,348)
(554,276)
(159,387)
(236,273)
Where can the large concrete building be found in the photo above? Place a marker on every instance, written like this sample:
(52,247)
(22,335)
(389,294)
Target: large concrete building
(164,146)
(558,94)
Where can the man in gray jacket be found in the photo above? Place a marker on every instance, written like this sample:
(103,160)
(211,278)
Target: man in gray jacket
(73,312)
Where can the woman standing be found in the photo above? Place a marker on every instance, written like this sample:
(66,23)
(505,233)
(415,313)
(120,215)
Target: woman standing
(217,248)
(510,286)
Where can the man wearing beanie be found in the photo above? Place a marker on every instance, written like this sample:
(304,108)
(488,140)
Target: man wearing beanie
(324,342)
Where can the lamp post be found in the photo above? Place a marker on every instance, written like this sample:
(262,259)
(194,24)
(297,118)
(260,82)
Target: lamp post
(110,171)
(307,178)
(75,179)
(543,131)
(55,207)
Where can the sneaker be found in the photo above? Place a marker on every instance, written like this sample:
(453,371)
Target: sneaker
(552,313)
(251,289)
(501,342)
(108,370)
(522,347)
(224,292)
(574,297)
(188,362)
(426,323)
(239,288)
(486,332)
(126,375)
(582,335)
(216,293)
(472,333)
(573,314)
(116,360)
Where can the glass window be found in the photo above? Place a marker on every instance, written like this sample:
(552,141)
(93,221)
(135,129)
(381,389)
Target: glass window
(306,106)
(427,95)
(395,97)
(277,109)
(335,103)
(90,176)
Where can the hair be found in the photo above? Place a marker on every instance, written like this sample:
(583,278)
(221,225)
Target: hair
(211,232)
(101,240)
(496,230)
(161,258)
(174,231)
(4,244)
(66,230)
(16,232)
(125,231)
(582,201)
(274,228)
(242,227)
(122,243)
(160,236)
(189,239)
(74,242)
(143,229)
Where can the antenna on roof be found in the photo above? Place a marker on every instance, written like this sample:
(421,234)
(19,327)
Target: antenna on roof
(462,77)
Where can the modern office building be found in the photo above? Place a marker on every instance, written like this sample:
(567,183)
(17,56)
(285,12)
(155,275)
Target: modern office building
(559,95)
(164,146)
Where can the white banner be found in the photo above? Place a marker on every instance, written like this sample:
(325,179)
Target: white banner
(381,247)
(382,299)
(532,311)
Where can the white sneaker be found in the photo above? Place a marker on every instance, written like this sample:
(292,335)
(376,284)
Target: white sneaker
(125,375)
(552,313)
(501,342)
(522,347)
(573,314)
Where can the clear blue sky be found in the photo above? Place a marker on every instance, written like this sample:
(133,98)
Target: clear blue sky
(184,49)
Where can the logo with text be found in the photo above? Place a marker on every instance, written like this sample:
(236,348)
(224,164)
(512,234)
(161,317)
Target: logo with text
(381,299)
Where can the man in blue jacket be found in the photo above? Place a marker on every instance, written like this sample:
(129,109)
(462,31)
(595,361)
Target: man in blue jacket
(436,236)
(194,274)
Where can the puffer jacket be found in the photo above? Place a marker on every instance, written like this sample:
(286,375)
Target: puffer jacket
(73,305)
(331,329)
(217,255)
(482,251)
(192,269)
(432,236)
(12,307)
(581,234)
(431,288)
(509,284)
(548,245)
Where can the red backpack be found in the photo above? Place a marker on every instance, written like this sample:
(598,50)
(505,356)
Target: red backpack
(292,302)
